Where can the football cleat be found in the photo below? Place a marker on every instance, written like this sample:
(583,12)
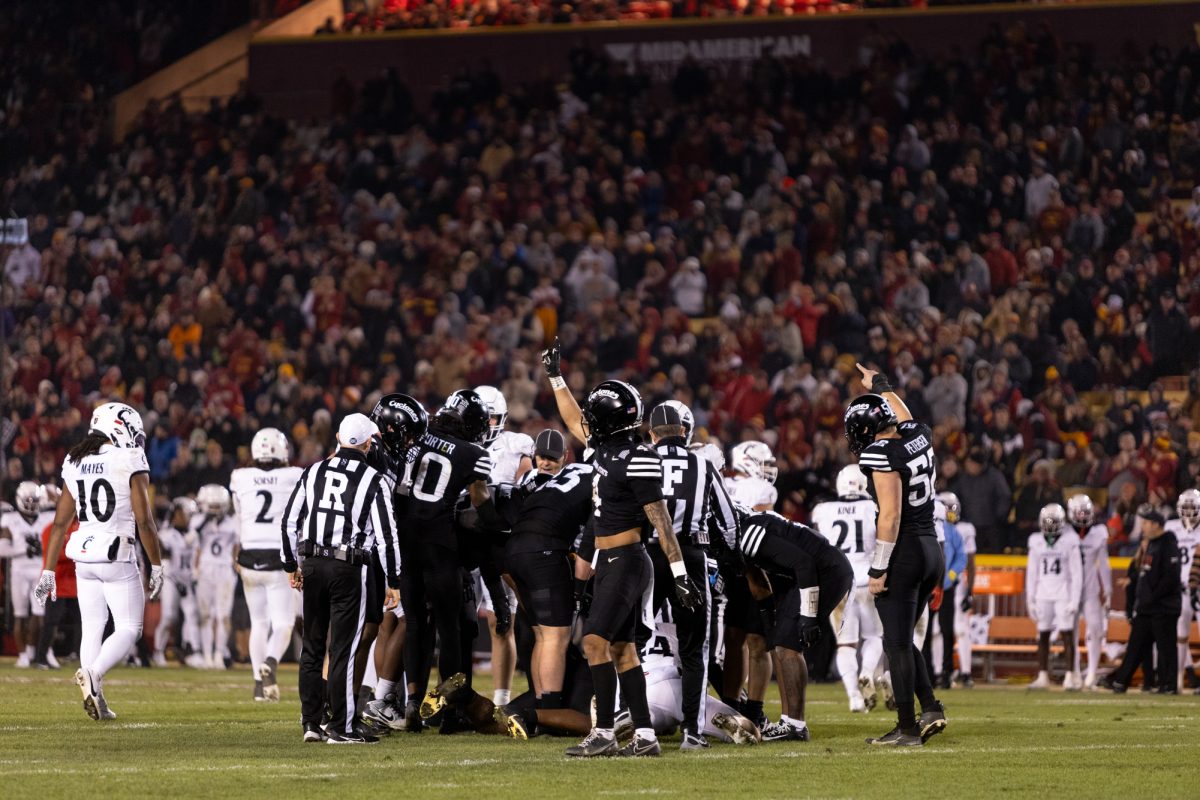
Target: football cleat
(964,680)
(436,698)
(866,687)
(785,732)
(87,686)
(105,711)
(623,724)
(693,741)
(640,748)
(159,660)
(1072,682)
(412,717)
(594,745)
(932,722)
(357,736)
(1042,681)
(313,732)
(384,713)
(1089,680)
(858,705)
(270,683)
(513,724)
(22,661)
(889,695)
(737,728)
(897,738)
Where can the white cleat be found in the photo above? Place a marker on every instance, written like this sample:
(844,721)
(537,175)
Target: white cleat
(857,705)
(158,660)
(866,688)
(1072,682)
(1089,681)
(52,661)
(195,661)
(1042,681)
(90,691)
(22,661)
(885,686)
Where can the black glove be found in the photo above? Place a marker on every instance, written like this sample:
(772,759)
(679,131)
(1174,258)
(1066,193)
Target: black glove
(967,604)
(687,593)
(503,616)
(810,631)
(552,359)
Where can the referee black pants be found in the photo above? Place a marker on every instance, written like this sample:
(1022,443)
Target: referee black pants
(335,605)
(691,627)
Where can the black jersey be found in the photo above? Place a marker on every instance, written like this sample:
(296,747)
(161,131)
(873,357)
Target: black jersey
(439,469)
(629,476)
(911,456)
(554,511)
(782,547)
(695,495)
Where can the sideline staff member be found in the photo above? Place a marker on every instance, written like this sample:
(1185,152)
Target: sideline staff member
(340,509)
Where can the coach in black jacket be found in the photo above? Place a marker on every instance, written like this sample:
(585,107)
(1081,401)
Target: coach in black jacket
(1156,606)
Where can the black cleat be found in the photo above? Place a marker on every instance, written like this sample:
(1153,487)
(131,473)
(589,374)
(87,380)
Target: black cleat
(258,692)
(932,722)
(1167,690)
(594,745)
(437,698)
(357,736)
(640,748)
(898,738)
(313,732)
(785,732)
(943,681)
(412,717)
(1113,686)
(693,741)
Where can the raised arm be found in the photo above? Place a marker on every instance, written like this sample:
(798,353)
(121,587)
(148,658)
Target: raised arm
(568,408)
(878,383)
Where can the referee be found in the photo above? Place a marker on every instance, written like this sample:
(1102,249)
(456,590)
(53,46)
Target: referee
(340,509)
(695,495)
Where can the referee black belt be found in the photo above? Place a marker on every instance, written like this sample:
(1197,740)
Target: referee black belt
(699,540)
(354,556)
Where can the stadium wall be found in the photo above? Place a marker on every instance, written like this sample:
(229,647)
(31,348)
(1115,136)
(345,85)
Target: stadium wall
(295,76)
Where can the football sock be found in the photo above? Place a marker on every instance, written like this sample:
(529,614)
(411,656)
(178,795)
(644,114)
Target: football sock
(872,652)
(963,643)
(795,723)
(633,691)
(604,681)
(384,688)
(847,664)
(550,700)
(30,651)
(501,696)
(647,734)
(753,710)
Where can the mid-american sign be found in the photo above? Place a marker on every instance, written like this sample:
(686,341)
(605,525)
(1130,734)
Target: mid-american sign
(661,59)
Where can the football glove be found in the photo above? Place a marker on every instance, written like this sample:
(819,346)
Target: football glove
(967,603)
(46,588)
(935,602)
(552,359)
(810,631)
(687,593)
(156,580)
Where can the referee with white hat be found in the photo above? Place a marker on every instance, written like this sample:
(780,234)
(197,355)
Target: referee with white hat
(340,509)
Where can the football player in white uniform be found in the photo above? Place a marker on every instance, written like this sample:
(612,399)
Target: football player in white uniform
(260,493)
(217,541)
(21,532)
(1097,581)
(849,525)
(1053,588)
(107,480)
(512,458)
(1187,533)
(178,602)
(752,484)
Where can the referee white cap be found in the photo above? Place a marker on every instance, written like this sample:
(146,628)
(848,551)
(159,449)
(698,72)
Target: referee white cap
(356,429)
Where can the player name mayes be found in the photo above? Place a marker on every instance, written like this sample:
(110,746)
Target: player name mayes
(917,444)
(91,469)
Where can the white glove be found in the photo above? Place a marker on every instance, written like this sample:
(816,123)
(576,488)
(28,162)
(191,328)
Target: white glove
(156,580)
(46,588)
(1033,612)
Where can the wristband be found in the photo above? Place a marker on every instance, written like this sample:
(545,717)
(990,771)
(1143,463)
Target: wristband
(678,569)
(882,555)
(808,601)
(880,384)
(557,382)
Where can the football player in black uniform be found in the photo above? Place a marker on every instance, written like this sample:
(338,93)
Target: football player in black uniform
(401,421)
(442,463)
(810,581)
(896,454)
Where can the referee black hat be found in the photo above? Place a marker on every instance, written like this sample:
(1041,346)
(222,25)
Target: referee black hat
(550,444)
(663,415)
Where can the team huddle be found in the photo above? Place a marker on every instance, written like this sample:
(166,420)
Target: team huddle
(658,594)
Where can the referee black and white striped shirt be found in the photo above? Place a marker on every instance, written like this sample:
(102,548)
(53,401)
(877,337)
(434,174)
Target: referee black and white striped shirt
(343,502)
(693,489)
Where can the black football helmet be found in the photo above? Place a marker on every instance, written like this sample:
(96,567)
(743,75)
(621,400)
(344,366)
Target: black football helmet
(867,415)
(611,408)
(401,420)
(465,416)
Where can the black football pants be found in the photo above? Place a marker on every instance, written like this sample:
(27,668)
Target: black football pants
(431,585)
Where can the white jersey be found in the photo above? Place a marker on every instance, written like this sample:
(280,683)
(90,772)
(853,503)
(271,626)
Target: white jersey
(849,525)
(1097,573)
(506,451)
(178,553)
(1188,540)
(26,547)
(216,539)
(754,493)
(1054,571)
(100,484)
(939,520)
(660,653)
(967,531)
(259,498)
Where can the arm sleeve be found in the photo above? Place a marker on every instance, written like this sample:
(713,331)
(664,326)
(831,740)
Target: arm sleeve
(293,519)
(722,507)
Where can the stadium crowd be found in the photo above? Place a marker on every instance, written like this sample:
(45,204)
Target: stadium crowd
(996,231)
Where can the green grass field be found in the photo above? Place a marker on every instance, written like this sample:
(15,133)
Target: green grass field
(183,733)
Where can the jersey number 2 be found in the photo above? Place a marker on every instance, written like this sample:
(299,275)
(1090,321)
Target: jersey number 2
(102,513)
(262,517)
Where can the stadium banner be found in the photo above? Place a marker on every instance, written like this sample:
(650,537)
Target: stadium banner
(301,76)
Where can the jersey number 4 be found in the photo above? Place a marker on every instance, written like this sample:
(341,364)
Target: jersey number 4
(923,475)
(102,511)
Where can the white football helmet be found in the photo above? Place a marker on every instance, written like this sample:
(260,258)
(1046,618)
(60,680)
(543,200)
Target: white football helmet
(269,444)
(1188,508)
(851,482)
(499,410)
(1081,512)
(1051,519)
(953,507)
(213,499)
(185,504)
(689,421)
(50,495)
(120,424)
(711,453)
(29,498)
(756,460)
